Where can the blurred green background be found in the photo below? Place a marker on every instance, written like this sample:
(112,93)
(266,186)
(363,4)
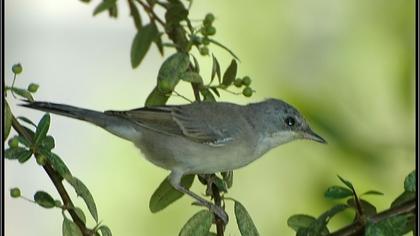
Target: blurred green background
(347,65)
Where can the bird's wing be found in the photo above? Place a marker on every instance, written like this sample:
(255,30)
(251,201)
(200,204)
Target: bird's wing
(212,124)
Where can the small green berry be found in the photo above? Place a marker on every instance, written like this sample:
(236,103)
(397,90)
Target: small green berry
(211,31)
(13,142)
(208,20)
(206,41)
(204,51)
(237,82)
(17,68)
(15,192)
(246,80)
(247,92)
(33,88)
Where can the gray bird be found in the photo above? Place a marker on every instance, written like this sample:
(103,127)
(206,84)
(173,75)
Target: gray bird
(199,138)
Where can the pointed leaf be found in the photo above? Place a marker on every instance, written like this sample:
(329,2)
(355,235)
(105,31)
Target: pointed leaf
(57,164)
(337,192)
(224,47)
(80,214)
(367,208)
(134,12)
(156,98)
(141,43)
(171,70)
(192,77)
(410,182)
(17,153)
(198,224)
(7,120)
(297,222)
(215,91)
(215,70)
(244,220)
(326,216)
(83,192)
(42,129)
(165,194)
(44,199)
(196,64)
(228,178)
(23,93)
(26,120)
(70,228)
(105,231)
(395,225)
(372,192)
(207,95)
(346,182)
(48,143)
(230,73)
(403,198)
(103,6)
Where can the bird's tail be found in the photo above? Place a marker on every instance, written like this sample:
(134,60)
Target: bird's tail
(114,124)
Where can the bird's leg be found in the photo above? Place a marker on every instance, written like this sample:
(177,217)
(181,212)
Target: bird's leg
(175,180)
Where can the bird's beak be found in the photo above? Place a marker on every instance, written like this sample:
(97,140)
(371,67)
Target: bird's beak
(311,135)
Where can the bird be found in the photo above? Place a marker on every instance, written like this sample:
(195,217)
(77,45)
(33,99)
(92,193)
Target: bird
(200,137)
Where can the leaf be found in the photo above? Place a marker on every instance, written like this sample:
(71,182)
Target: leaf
(26,120)
(230,73)
(175,13)
(70,228)
(103,6)
(23,93)
(141,43)
(165,194)
(17,153)
(83,192)
(44,199)
(367,208)
(158,43)
(346,182)
(326,216)
(105,231)
(395,225)
(156,98)
(207,95)
(80,214)
(7,120)
(245,223)
(48,143)
(134,12)
(372,192)
(297,222)
(171,70)
(337,192)
(42,129)
(215,70)
(57,164)
(196,64)
(199,224)
(192,77)
(215,91)
(220,184)
(403,198)
(410,182)
(228,178)
(224,47)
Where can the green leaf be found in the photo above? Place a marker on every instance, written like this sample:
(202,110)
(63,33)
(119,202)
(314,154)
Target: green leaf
(199,224)
(83,192)
(165,194)
(42,129)
(156,98)
(395,225)
(207,95)
(244,220)
(220,184)
(403,198)
(325,217)
(224,47)
(171,70)
(300,221)
(215,70)
(372,192)
(142,42)
(80,214)
(158,43)
(230,73)
(228,178)
(215,91)
(23,93)
(196,64)
(17,153)
(346,182)
(57,164)
(105,231)
(367,208)
(48,143)
(192,77)
(44,199)
(70,228)
(134,12)
(7,120)
(337,192)
(26,120)
(103,6)
(175,13)
(410,182)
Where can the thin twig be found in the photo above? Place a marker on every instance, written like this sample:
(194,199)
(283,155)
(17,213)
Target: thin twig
(152,14)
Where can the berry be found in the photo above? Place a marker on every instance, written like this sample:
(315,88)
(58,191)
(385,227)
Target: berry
(206,41)
(33,88)
(204,51)
(208,20)
(13,142)
(15,192)
(246,81)
(211,30)
(247,92)
(238,83)
(17,68)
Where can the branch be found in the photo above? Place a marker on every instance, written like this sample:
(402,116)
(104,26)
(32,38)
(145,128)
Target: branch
(57,181)
(357,228)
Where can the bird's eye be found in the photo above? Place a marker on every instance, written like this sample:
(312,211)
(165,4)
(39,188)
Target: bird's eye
(290,121)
